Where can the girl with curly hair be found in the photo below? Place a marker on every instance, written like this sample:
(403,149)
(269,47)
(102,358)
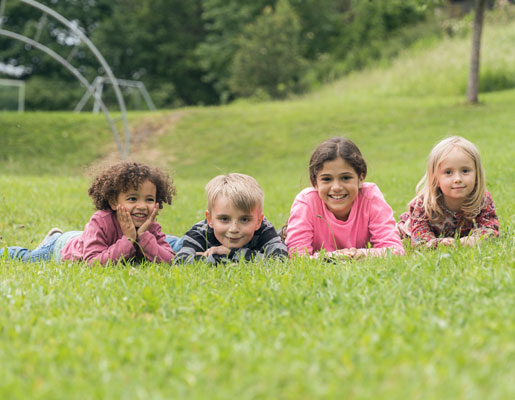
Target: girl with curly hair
(127,197)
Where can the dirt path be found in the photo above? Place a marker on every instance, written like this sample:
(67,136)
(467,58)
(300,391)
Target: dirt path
(145,136)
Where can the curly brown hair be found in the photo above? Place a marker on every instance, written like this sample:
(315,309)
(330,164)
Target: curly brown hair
(124,175)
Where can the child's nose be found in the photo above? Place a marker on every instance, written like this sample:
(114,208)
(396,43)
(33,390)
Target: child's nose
(336,185)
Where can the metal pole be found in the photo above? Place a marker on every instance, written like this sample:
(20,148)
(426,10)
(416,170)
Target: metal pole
(73,70)
(21,99)
(100,58)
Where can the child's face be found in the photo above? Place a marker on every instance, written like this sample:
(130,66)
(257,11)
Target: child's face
(234,228)
(139,202)
(338,185)
(456,178)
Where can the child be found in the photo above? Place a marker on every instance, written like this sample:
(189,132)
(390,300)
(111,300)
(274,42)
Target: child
(341,214)
(235,228)
(127,196)
(452,202)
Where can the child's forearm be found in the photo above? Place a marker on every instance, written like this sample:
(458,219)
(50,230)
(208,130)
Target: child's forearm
(122,249)
(154,249)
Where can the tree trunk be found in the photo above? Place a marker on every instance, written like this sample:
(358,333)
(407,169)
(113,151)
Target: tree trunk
(473,83)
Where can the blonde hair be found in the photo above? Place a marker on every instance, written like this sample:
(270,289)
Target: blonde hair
(428,186)
(243,190)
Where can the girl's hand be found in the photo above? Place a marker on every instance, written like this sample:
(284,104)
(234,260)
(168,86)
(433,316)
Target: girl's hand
(353,253)
(447,242)
(221,250)
(126,224)
(469,241)
(148,222)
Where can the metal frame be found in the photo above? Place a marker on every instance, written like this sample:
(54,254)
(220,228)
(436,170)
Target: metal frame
(21,91)
(124,150)
(98,86)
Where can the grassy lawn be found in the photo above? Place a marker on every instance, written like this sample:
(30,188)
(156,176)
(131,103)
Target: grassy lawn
(430,325)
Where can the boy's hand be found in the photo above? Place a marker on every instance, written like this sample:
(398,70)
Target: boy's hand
(148,222)
(126,224)
(220,250)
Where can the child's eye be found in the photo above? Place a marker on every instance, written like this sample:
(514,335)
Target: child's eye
(223,219)
(245,220)
(131,198)
(150,200)
(448,172)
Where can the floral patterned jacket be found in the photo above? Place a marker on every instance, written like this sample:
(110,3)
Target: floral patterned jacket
(416,224)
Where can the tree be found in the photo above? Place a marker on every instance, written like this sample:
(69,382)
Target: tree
(268,59)
(473,80)
(224,21)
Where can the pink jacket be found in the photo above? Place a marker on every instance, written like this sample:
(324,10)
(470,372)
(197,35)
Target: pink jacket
(370,222)
(103,241)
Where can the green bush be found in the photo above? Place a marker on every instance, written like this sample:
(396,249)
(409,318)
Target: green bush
(268,60)
(8,98)
(52,94)
(369,25)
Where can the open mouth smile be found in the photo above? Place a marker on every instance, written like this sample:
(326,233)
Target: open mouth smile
(337,196)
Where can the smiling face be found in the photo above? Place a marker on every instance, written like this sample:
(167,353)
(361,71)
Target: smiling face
(338,185)
(233,228)
(456,178)
(138,202)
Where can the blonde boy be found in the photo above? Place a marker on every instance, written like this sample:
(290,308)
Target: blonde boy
(235,228)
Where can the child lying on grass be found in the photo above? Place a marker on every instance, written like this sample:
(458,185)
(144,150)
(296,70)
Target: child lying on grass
(127,196)
(341,215)
(452,203)
(235,228)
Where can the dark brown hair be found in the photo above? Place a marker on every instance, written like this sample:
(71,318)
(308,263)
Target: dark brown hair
(330,150)
(125,175)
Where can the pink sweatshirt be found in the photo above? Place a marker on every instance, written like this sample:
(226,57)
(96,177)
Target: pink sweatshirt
(103,241)
(370,221)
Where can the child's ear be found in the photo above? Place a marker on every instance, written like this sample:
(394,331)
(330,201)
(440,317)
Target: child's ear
(113,204)
(208,217)
(260,220)
(360,182)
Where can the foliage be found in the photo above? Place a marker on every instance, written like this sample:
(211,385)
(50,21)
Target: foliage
(432,324)
(268,58)
(53,93)
(190,52)
(154,41)
(223,21)
(190,47)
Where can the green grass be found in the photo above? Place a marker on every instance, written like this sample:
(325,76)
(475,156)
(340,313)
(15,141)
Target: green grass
(430,325)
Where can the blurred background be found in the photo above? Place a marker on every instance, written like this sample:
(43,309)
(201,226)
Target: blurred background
(208,52)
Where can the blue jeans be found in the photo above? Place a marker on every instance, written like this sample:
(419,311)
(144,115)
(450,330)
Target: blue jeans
(175,242)
(43,252)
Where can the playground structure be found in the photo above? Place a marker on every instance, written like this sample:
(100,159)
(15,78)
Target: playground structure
(98,86)
(123,149)
(21,91)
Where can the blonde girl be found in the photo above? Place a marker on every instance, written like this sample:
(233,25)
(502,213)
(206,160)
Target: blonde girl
(452,203)
(341,215)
